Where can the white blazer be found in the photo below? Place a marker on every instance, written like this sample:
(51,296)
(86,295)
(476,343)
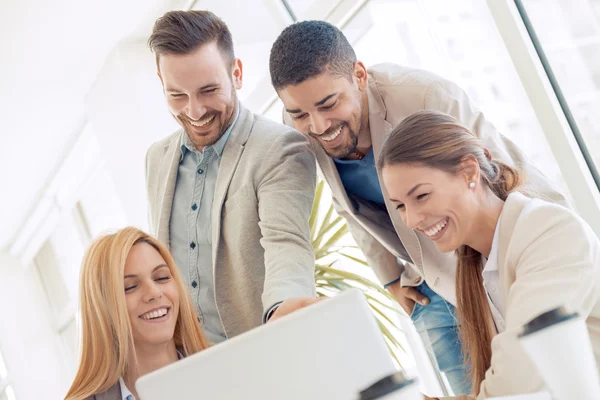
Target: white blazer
(547,257)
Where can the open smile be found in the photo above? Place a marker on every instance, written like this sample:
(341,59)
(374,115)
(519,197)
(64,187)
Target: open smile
(155,315)
(333,138)
(437,230)
(204,122)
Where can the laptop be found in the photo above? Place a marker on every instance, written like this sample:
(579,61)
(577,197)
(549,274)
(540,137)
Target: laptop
(330,350)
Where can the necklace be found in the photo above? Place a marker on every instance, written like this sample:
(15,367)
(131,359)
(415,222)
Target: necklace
(358,154)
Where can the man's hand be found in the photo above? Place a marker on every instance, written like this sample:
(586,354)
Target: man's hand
(407,296)
(430,398)
(291,305)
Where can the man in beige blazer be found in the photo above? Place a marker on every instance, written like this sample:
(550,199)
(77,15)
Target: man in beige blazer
(231,192)
(347,110)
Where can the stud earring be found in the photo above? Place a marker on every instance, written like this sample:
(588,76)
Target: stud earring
(471,185)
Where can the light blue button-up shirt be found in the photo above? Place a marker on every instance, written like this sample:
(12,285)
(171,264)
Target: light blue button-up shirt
(191,228)
(125,392)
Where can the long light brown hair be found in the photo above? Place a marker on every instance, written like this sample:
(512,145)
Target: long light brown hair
(107,340)
(437,140)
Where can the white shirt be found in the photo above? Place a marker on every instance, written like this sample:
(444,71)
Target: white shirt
(491,282)
(125,392)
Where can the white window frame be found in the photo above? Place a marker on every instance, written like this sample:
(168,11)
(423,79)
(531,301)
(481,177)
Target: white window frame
(577,176)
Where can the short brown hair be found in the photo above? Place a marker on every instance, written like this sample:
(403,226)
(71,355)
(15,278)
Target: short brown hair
(307,49)
(181,32)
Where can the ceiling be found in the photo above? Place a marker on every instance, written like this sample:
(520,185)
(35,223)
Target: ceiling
(53,53)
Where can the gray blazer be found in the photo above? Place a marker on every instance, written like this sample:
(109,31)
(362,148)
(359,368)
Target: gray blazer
(112,393)
(263,198)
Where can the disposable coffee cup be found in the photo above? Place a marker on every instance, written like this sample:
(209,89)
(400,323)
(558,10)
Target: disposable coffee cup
(393,387)
(558,343)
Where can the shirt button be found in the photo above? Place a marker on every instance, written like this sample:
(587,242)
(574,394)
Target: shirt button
(193,245)
(194,284)
(194,207)
(200,171)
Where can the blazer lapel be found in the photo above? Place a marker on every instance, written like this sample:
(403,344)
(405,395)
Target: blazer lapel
(167,180)
(513,207)
(380,128)
(234,148)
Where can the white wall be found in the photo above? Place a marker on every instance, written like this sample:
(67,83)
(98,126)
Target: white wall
(30,347)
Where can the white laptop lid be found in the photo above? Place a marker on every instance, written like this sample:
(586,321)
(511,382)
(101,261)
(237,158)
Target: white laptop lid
(330,350)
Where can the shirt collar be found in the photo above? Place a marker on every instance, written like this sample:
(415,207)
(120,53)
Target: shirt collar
(125,392)
(187,145)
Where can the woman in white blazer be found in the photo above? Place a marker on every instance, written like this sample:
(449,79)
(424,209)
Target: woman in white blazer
(136,313)
(517,256)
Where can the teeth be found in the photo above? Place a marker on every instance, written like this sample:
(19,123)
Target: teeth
(435,229)
(203,122)
(333,135)
(155,314)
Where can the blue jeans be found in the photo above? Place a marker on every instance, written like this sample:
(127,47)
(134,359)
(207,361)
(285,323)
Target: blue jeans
(438,328)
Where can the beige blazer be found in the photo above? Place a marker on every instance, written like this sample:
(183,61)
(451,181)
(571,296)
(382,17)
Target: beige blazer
(547,257)
(395,92)
(263,197)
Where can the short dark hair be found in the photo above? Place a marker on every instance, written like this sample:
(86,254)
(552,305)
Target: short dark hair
(307,49)
(181,32)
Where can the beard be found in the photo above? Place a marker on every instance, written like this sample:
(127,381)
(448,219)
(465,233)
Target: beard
(218,127)
(348,144)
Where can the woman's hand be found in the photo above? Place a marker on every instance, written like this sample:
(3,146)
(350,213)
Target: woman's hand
(430,398)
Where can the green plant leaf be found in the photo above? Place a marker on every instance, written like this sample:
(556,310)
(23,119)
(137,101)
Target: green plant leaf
(326,231)
(312,222)
(356,260)
(341,232)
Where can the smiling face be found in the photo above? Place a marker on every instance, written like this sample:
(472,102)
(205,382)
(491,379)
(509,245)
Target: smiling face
(329,109)
(201,91)
(434,202)
(151,295)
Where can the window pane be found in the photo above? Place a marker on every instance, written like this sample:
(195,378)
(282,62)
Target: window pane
(459,41)
(312,9)
(68,248)
(52,278)
(10,393)
(100,206)
(569,31)
(70,338)
(3,369)
(275,112)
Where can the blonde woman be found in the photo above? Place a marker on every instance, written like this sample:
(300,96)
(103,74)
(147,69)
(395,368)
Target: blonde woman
(136,313)
(517,256)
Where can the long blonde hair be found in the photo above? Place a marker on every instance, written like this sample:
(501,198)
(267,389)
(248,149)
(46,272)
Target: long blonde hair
(107,339)
(437,140)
